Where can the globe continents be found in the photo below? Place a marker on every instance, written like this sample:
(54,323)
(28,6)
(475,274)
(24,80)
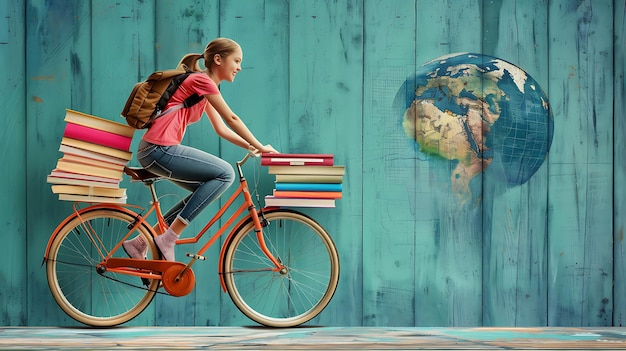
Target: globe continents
(483,113)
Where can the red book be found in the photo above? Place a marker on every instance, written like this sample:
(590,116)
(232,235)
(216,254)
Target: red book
(268,159)
(96,136)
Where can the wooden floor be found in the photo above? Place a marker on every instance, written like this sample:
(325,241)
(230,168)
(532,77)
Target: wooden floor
(311,338)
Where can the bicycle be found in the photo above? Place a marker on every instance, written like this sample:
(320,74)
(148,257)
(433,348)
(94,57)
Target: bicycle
(279,266)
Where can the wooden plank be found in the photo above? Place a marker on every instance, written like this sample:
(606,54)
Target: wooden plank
(87,55)
(619,163)
(448,261)
(187,27)
(580,230)
(13,210)
(388,241)
(124,54)
(514,281)
(57,37)
(259,93)
(325,116)
(318,338)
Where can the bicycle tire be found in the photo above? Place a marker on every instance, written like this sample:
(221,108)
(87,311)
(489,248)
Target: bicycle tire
(282,299)
(95,299)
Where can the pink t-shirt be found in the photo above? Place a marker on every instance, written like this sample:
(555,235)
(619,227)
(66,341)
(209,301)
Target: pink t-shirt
(170,129)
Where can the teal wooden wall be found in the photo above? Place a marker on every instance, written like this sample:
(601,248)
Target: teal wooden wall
(321,76)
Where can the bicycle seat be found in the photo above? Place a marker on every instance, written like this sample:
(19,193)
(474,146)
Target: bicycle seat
(140,174)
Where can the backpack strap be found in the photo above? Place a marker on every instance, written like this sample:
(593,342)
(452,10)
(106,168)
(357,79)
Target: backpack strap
(192,100)
(171,89)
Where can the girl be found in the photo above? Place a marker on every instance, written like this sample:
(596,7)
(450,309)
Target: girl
(205,175)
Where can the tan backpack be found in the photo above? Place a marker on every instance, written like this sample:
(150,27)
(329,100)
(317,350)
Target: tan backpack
(148,98)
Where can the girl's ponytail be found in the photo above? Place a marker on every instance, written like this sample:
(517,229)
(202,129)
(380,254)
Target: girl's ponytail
(190,61)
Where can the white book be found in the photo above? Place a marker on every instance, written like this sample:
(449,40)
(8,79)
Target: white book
(87,198)
(272,201)
(71,150)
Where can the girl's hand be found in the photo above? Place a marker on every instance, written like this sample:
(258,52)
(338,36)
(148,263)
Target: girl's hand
(269,149)
(266,149)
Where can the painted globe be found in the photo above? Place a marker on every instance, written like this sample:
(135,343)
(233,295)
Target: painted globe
(484,113)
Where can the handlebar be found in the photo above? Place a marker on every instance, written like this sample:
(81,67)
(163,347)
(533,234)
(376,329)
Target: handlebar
(243,160)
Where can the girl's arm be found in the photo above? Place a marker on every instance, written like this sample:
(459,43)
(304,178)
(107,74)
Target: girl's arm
(222,117)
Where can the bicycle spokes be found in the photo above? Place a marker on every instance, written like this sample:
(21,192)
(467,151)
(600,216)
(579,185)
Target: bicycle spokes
(304,282)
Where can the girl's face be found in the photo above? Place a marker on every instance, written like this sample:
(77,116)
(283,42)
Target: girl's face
(230,65)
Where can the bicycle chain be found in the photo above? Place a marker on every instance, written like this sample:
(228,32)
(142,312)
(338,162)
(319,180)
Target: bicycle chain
(114,279)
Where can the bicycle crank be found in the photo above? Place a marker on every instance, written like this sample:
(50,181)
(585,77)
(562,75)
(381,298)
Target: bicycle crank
(178,281)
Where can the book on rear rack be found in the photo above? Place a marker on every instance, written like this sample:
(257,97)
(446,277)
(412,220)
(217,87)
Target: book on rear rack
(92,162)
(94,122)
(310,170)
(272,201)
(321,187)
(68,175)
(70,150)
(269,159)
(97,136)
(81,181)
(81,168)
(88,190)
(100,149)
(95,152)
(91,198)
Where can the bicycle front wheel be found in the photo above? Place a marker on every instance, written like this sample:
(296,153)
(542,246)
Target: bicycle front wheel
(97,298)
(295,294)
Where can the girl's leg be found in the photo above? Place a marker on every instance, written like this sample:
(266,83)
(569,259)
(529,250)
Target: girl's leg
(167,240)
(206,175)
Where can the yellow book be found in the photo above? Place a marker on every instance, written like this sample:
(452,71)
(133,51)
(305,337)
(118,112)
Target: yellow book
(88,198)
(92,162)
(99,123)
(83,182)
(88,190)
(81,168)
(105,150)
(70,150)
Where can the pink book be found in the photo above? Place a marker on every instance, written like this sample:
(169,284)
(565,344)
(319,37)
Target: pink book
(96,136)
(268,159)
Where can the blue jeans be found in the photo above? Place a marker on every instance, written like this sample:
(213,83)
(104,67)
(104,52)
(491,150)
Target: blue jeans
(205,175)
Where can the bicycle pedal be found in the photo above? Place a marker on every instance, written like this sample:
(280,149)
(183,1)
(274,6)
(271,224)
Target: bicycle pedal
(197,257)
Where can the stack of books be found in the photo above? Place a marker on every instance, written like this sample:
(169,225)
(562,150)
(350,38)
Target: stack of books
(95,152)
(304,180)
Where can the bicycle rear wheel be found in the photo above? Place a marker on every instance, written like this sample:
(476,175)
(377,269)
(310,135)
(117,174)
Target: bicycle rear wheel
(298,293)
(97,299)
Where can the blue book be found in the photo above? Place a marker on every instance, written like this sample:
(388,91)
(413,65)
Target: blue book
(309,186)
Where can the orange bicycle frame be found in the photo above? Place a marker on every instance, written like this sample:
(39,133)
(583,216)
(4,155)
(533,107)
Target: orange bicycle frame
(147,268)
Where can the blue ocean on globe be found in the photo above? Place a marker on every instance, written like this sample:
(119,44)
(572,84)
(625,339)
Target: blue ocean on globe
(480,111)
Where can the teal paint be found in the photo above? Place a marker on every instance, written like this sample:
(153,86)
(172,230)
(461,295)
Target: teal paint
(58,32)
(14,277)
(321,76)
(388,231)
(619,169)
(515,238)
(580,235)
(490,15)
(324,115)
